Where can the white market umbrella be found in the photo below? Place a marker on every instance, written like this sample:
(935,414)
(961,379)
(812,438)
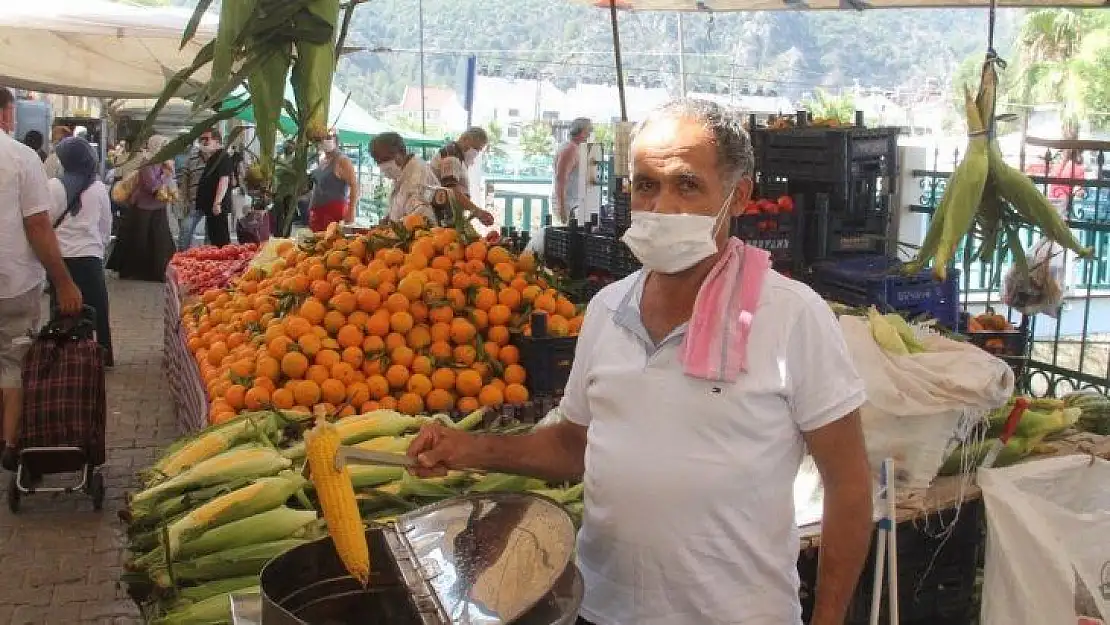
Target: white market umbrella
(95,48)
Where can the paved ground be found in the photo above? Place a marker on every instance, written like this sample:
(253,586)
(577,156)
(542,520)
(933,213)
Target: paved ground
(59,560)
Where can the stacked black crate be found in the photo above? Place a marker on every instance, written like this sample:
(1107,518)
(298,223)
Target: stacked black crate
(841,180)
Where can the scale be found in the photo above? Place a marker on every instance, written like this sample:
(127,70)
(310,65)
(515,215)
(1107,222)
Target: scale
(482,559)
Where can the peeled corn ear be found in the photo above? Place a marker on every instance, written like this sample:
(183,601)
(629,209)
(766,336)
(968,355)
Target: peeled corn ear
(337,499)
(885,334)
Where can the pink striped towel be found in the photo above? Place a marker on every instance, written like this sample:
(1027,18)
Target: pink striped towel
(716,344)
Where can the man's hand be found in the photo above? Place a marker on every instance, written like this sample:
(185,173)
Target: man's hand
(438,448)
(216,210)
(349,214)
(485,217)
(69,297)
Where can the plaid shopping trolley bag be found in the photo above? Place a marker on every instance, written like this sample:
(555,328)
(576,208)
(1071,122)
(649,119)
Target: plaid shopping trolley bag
(64,402)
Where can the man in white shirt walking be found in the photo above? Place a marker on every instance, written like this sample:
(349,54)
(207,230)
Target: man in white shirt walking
(30,255)
(689,507)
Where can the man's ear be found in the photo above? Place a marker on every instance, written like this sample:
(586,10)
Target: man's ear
(740,196)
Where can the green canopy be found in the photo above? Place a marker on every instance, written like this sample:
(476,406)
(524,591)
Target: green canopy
(354,124)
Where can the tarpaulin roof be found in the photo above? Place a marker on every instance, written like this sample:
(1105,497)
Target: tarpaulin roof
(787,5)
(353,123)
(95,48)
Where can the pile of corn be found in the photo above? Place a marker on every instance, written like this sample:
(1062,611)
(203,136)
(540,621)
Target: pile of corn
(220,504)
(1043,419)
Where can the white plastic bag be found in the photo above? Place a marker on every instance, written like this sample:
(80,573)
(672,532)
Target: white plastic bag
(1048,551)
(1041,288)
(918,403)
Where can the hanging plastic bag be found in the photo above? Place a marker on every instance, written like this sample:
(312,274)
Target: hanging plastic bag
(1048,559)
(1041,288)
(918,403)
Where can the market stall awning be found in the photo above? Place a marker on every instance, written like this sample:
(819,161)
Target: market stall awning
(354,123)
(788,5)
(95,48)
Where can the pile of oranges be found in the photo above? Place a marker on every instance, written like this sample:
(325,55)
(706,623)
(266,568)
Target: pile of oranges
(412,318)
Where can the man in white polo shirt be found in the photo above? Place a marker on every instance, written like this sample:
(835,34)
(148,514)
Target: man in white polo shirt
(689,515)
(29,245)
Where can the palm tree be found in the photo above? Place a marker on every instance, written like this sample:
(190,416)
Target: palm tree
(1060,52)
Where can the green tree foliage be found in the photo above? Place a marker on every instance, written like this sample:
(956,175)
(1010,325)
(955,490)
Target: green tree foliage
(536,140)
(1064,59)
(824,105)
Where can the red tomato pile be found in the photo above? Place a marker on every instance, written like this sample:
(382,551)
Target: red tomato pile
(210,267)
(769,208)
(784,204)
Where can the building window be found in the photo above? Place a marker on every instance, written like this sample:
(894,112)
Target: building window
(551,116)
(512,132)
(514,112)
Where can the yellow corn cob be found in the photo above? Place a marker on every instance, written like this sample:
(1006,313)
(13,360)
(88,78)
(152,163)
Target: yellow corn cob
(371,425)
(245,461)
(388,444)
(214,441)
(262,495)
(885,334)
(337,499)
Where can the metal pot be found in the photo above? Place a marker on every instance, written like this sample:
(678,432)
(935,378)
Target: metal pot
(487,559)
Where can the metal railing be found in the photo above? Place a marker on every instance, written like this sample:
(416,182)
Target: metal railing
(1071,351)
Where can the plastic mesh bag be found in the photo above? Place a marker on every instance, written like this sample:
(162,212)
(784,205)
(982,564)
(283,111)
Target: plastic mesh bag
(1048,557)
(1040,289)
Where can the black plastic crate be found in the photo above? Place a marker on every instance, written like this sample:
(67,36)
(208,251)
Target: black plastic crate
(621,204)
(781,234)
(826,154)
(1012,346)
(563,247)
(547,359)
(877,281)
(936,575)
(593,286)
(600,252)
(625,262)
(866,191)
(839,235)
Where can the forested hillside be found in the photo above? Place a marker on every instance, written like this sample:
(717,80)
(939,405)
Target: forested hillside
(789,52)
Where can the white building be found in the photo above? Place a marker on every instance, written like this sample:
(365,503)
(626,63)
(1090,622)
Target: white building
(442,108)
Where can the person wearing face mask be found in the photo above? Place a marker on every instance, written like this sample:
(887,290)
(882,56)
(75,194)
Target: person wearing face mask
(730,371)
(334,188)
(453,161)
(214,188)
(410,176)
(565,194)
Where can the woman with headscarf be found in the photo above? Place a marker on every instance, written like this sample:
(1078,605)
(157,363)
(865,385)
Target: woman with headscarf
(145,244)
(82,215)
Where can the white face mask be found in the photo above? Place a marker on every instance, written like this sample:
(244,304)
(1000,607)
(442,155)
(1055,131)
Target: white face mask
(671,243)
(210,148)
(327,146)
(470,156)
(391,170)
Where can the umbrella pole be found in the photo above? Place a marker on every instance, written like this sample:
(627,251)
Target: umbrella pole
(617,58)
(423,102)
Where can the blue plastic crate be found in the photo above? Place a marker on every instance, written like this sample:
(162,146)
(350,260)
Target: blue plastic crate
(875,281)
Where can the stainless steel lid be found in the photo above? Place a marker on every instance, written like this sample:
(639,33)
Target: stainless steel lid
(489,558)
